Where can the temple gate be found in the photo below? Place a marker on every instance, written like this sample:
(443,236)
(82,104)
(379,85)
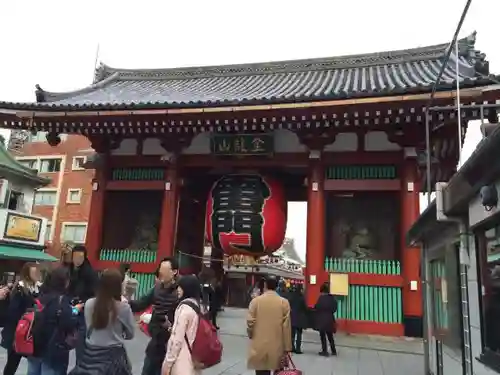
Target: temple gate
(345,134)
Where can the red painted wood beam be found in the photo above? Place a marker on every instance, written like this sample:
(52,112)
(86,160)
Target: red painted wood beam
(395,281)
(277,160)
(135,185)
(370,328)
(135,267)
(362,185)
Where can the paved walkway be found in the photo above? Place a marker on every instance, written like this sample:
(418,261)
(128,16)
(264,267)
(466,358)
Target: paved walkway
(357,355)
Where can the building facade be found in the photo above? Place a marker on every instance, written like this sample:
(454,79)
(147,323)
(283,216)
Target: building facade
(460,236)
(65,201)
(21,233)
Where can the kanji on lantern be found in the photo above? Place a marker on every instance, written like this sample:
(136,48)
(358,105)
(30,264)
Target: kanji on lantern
(246,214)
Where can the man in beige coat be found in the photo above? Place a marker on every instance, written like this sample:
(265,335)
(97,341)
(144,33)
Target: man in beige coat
(269,329)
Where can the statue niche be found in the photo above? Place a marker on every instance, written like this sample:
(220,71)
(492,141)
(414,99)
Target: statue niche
(364,226)
(360,242)
(135,225)
(146,233)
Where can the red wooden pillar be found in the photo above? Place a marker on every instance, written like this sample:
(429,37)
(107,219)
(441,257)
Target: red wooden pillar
(315,243)
(95,224)
(410,256)
(168,223)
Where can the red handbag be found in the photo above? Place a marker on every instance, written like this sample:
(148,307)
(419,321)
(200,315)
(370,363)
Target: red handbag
(288,366)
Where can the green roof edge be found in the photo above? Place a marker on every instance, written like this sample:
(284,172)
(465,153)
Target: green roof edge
(11,166)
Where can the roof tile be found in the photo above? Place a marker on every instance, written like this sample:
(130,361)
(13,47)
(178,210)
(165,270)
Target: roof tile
(378,74)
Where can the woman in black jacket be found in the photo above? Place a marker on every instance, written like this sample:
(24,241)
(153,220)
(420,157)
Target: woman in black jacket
(298,317)
(21,298)
(54,334)
(325,310)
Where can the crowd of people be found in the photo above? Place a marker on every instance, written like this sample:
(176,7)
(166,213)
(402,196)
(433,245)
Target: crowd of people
(75,309)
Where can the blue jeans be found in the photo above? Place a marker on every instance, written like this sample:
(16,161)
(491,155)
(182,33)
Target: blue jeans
(36,366)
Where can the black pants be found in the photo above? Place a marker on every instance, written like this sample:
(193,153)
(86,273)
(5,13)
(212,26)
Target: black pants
(213,315)
(327,335)
(297,338)
(262,372)
(151,366)
(13,360)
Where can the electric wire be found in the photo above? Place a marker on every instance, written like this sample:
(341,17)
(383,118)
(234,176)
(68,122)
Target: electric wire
(431,98)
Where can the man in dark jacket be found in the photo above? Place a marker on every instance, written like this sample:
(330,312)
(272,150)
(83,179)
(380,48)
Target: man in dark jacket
(82,284)
(298,316)
(163,298)
(83,278)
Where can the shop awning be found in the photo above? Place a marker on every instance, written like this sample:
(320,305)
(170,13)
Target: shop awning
(24,253)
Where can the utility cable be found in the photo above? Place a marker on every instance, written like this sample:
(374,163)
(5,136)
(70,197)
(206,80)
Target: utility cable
(431,98)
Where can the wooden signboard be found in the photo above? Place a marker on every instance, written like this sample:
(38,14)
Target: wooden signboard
(242,144)
(339,284)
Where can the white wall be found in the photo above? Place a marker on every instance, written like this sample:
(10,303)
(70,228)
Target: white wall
(17,185)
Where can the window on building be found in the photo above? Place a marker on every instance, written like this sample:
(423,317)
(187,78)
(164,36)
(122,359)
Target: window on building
(50,165)
(488,266)
(38,137)
(78,162)
(74,196)
(446,306)
(45,198)
(28,163)
(16,200)
(73,232)
(48,232)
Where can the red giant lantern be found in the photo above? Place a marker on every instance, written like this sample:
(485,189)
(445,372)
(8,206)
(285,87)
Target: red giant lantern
(246,214)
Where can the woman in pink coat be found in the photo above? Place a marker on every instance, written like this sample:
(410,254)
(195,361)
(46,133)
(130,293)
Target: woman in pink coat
(178,358)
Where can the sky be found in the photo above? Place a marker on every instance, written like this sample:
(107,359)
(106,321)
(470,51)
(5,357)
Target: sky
(53,43)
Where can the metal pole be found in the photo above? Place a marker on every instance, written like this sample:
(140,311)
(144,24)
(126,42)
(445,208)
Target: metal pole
(464,296)
(428,181)
(481,110)
(448,52)
(426,321)
(424,265)
(459,114)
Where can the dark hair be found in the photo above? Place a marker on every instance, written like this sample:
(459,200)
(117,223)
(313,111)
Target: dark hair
(271,282)
(325,288)
(173,263)
(109,291)
(56,280)
(79,249)
(190,286)
(25,272)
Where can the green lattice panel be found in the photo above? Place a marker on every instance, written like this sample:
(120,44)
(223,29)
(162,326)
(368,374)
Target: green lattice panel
(438,273)
(369,302)
(138,174)
(361,172)
(146,282)
(377,267)
(128,255)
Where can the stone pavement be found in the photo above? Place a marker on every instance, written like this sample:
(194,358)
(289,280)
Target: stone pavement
(357,354)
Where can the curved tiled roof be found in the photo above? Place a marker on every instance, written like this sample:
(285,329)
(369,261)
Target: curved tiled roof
(11,167)
(376,74)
